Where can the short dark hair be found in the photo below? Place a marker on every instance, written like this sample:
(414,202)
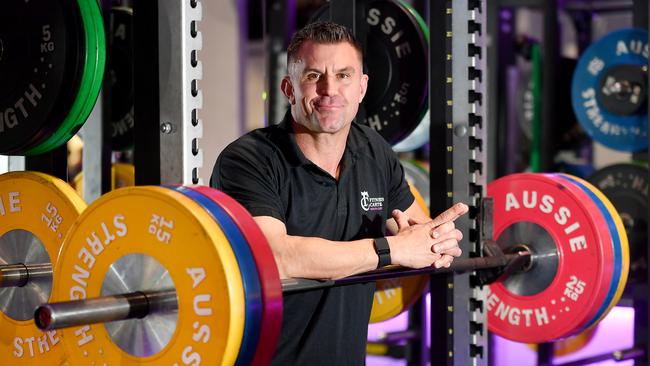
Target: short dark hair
(323,32)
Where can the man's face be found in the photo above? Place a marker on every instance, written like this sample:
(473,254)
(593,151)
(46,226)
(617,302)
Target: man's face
(325,86)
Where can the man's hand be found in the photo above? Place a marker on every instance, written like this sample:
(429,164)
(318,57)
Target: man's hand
(439,245)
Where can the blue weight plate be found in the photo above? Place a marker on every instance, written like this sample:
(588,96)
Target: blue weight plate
(622,48)
(616,245)
(250,279)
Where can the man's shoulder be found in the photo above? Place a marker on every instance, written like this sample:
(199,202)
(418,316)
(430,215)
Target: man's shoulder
(259,141)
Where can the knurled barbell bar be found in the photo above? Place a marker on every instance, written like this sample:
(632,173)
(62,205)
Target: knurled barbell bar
(142,303)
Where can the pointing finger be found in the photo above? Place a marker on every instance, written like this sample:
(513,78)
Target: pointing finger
(450,214)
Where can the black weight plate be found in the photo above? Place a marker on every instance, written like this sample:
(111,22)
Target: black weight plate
(626,186)
(568,134)
(121,77)
(396,61)
(76,55)
(39,66)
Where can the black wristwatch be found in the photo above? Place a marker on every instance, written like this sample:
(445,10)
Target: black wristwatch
(383,252)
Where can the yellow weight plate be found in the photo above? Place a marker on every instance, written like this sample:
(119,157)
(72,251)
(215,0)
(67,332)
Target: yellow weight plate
(395,295)
(376,349)
(122,175)
(180,235)
(625,246)
(572,344)
(419,199)
(34,207)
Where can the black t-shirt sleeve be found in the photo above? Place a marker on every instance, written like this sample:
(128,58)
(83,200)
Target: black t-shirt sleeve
(242,172)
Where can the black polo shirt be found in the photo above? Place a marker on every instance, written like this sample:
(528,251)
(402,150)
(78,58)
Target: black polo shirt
(268,174)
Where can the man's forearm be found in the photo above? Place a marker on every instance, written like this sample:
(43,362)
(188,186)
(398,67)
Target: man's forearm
(317,258)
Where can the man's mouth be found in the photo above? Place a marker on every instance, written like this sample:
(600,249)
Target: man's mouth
(328,107)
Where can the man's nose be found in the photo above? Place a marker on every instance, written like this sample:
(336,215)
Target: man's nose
(326,85)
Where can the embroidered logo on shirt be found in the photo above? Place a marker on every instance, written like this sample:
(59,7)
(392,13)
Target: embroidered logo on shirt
(371,203)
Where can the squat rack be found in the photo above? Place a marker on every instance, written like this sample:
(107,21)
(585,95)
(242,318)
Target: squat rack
(459,112)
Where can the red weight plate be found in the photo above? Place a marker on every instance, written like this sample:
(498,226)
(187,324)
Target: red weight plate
(571,263)
(602,222)
(267,269)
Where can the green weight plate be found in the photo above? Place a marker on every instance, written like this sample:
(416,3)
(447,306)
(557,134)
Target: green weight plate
(91,80)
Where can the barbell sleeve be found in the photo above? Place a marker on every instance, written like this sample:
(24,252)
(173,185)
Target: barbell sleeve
(104,309)
(18,275)
(514,260)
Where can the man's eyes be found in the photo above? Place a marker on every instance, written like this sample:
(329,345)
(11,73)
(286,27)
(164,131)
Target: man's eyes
(316,77)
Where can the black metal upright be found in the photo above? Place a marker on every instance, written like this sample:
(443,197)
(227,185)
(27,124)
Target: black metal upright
(500,52)
(458,105)
(550,61)
(280,18)
(53,162)
(641,298)
(439,161)
(106,107)
(146,103)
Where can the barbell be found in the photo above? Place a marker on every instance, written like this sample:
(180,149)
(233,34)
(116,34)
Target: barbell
(132,290)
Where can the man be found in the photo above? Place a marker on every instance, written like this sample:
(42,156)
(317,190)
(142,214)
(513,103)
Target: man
(321,188)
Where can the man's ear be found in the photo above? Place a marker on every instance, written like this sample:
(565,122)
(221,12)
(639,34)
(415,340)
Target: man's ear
(364,86)
(287,89)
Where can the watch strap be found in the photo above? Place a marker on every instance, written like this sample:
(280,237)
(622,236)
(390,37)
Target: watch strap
(383,252)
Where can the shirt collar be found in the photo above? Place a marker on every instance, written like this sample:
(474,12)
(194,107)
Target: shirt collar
(356,141)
